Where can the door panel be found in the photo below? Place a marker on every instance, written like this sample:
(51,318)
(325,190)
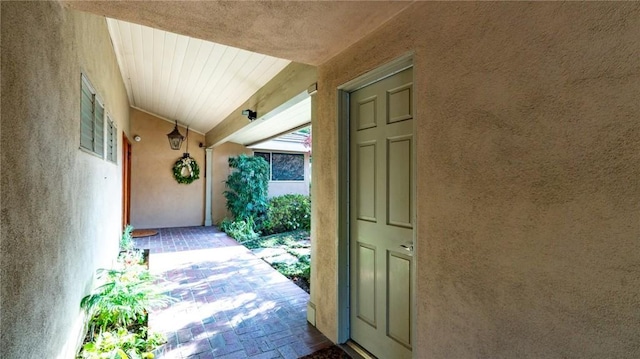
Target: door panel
(399,304)
(366,284)
(381,200)
(367,113)
(367,187)
(399,181)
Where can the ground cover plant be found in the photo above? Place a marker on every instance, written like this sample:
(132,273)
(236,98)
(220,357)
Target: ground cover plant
(294,243)
(118,309)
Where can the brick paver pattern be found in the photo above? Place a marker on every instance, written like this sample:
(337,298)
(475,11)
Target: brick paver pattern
(231,304)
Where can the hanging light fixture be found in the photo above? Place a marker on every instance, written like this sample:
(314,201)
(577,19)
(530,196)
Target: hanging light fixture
(175,138)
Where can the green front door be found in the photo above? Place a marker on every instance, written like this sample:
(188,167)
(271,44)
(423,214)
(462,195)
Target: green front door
(381,215)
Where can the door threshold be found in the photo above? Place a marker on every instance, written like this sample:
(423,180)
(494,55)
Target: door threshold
(355,351)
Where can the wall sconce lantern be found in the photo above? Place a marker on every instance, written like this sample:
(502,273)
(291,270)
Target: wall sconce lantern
(251,115)
(175,138)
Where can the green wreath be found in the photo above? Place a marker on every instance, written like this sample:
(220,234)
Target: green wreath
(186,170)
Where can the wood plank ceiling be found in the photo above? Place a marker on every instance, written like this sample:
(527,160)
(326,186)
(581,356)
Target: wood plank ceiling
(196,82)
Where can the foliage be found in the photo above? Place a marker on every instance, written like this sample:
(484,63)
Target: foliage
(288,213)
(225,224)
(122,344)
(241,230)
(189,164)
(131,257)
(125,299)
(118,310)
(288,240)
(301,269)
(299,272)
(247,187)
(126,241)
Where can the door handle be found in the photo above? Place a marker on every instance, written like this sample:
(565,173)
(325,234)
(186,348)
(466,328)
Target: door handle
(408,246)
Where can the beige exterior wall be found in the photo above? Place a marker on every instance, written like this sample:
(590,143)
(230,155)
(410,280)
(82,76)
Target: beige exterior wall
(157,200)
(61,207)
(221,170)
(279,188)
(528,235)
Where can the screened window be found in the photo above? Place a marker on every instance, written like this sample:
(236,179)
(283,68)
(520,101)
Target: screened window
(91,120)
(112,141)
(284,166)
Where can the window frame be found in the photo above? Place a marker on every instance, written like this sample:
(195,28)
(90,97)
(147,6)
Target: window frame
(270,161)
(95,120)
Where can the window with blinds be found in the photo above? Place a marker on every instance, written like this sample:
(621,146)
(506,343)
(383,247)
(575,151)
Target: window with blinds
(284,166)
(91,120)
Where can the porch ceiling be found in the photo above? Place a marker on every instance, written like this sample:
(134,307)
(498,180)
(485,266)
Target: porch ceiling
(197,82)
(309,32)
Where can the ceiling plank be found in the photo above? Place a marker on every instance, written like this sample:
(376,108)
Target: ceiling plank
(196,82)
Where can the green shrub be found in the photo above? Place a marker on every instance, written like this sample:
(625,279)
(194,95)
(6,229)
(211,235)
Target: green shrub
(124,300)
(247,187)
(241,230)
(122,344)
(126,241)
(225,224)
(288,213)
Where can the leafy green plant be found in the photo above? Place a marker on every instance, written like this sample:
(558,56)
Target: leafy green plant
(125,299)
(241,230)
(126,241)
(247,187)
(225,224)
(131,257)
(122,344)
(288,213)
(280,240)
(301,269)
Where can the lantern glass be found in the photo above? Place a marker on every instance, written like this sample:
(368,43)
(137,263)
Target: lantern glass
(175,138)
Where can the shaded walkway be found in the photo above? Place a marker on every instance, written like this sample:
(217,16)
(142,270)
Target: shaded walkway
(231,304)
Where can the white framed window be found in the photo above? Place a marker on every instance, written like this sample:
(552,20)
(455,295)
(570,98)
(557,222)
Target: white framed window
(284,166)
(91,120)
(112,141)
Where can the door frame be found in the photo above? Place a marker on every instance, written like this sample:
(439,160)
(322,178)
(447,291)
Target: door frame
(126,180)
(343,163)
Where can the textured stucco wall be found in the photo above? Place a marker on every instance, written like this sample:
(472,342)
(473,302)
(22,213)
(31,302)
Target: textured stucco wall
(157,200)
(527,127)
(221,170)
(303,31)
(61,207)
(279,188)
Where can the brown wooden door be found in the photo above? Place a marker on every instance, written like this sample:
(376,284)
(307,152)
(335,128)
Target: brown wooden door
(126,181)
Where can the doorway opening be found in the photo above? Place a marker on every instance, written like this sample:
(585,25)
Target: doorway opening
(376,210)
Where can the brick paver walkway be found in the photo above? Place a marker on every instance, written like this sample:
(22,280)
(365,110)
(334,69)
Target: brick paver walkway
(232,304)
